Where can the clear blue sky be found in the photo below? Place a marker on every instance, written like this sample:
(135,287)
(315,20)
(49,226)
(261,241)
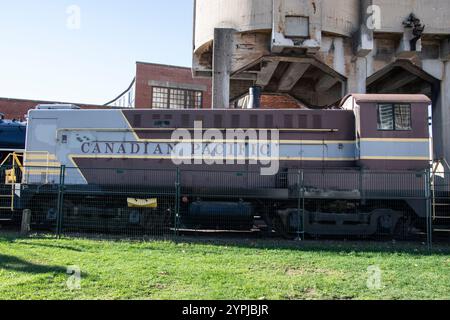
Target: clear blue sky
(42,58)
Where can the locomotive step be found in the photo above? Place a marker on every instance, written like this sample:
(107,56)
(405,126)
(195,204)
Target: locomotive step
(442,230)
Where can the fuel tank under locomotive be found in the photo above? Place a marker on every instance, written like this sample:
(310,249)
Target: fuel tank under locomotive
(218,216)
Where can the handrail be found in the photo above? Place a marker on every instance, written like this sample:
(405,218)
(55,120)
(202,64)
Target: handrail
(434,172)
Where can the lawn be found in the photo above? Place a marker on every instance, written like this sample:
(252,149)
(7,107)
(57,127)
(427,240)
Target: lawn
(36,268)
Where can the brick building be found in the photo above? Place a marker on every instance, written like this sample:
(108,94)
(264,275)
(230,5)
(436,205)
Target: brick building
(18,108)
(275,101)
(156,86)
(164,86)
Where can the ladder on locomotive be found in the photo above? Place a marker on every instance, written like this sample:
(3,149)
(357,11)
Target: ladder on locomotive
(440,188)
(8,179)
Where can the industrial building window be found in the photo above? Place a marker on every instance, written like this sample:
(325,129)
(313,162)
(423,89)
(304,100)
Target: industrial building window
(198,99)
(394,117)
(160,98)
(177,99)
(168,98)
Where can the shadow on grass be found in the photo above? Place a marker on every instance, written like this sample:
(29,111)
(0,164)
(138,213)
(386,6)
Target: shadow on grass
(51,246)
(19,265)
(8,236)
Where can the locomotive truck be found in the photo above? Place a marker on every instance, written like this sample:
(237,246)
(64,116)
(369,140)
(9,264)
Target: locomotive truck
(358,169)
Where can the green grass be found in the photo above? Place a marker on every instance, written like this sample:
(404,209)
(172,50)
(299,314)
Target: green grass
(35,268)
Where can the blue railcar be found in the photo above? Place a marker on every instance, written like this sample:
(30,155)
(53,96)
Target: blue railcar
(12,136)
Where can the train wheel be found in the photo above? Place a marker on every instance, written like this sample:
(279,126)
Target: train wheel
(403,229)
(281,229)
(385,224)
(47,212)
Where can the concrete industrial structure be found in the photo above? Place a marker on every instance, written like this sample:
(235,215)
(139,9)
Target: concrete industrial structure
(320,50)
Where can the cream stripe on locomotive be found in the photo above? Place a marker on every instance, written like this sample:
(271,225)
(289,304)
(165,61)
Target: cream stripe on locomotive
(159,157)
(43,149)
(314,150)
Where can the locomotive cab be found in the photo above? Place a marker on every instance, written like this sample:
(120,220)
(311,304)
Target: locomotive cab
(392,131)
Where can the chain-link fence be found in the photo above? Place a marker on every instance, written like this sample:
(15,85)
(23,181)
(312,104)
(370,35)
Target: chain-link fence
(133,203)
(302,204)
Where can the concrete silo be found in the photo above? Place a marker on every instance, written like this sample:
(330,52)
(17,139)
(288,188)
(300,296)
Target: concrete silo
(317,51)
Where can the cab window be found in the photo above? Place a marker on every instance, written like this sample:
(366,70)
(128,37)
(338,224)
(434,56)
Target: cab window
(394,117)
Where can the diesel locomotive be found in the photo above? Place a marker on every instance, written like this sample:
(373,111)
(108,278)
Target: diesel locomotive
(357,169)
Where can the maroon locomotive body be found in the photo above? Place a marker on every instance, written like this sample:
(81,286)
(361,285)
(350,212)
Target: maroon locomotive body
(340,162)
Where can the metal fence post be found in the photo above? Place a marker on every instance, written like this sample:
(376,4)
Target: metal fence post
(301,206)
(177,201)
(59,220)
(361,186)
(429,219)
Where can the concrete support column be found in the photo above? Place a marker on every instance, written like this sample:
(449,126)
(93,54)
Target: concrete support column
(222,58)
(363,39)
(363,43)
(357,80)
(339,55)
(442,117)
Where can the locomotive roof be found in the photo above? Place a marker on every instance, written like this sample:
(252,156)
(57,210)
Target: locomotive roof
(406,98)
(11,123)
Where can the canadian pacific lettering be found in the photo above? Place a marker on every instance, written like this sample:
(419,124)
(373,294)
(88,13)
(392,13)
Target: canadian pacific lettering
(183,149)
